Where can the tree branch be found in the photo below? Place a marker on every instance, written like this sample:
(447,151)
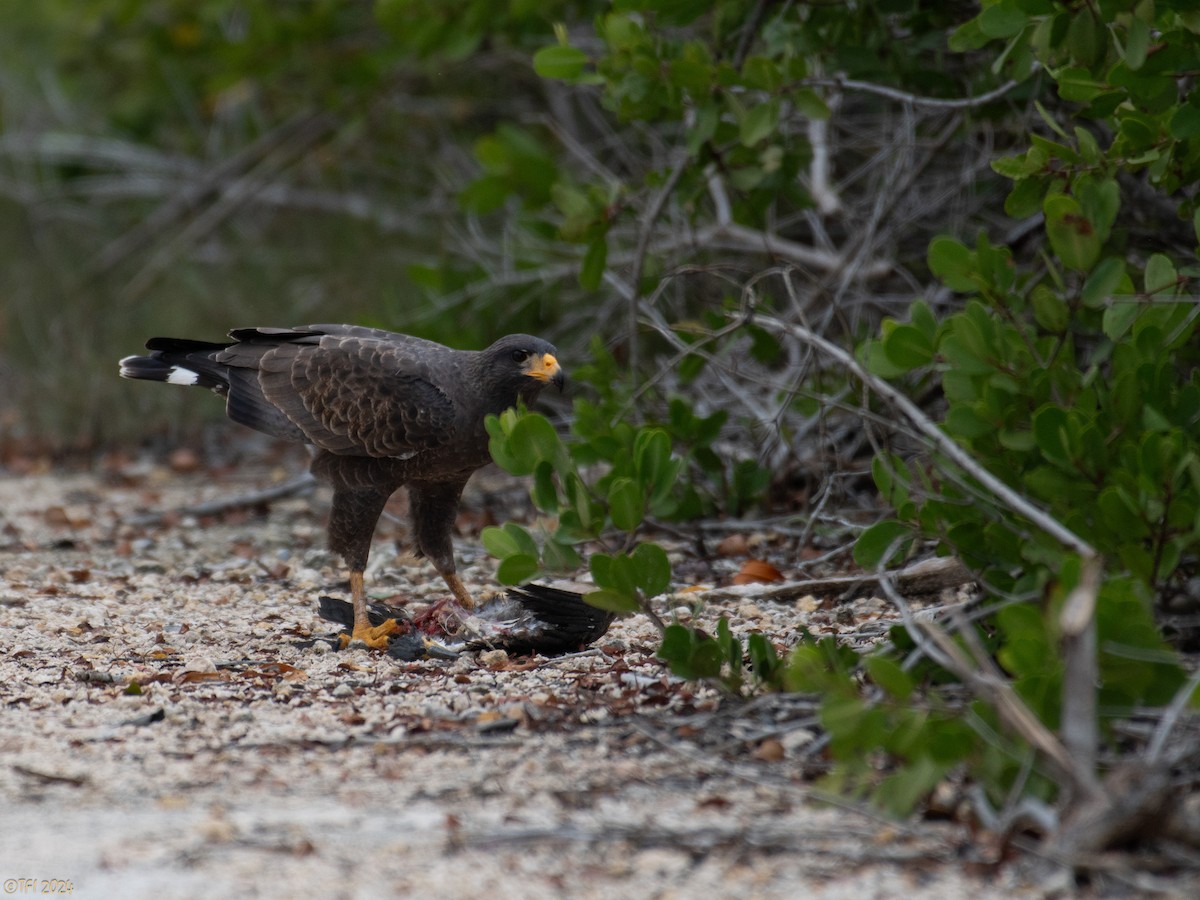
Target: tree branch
(938,438)
(891,93)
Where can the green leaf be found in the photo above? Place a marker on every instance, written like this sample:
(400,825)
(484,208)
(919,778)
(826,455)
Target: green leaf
(690,654)
(874,544)
(951,261)
(1118,317)
(1025,198)
(1050,428)
(560,557)
(485,195)
(612,601)
(544,492)
(563,63)
(614,573)
(809,104)
(1071,235)
(692,75)
(1049,309)
(652,569)
(652,455)
(731,648)
(878,362)
(1102,283)
(965,422)
(531,440)
(1085,37)
(594,260)
(581,503)
(909,347)
(1137,42)
(1185,122)
(759,123)
(1077,85)
(1160,274)
(1003,19)
(498,542)
(968,36)
(899,793)
(1100,201)
(626,504)
(523,539)
(887,674)
(517,569)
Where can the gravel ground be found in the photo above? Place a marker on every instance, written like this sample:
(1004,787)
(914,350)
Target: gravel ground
(247,760)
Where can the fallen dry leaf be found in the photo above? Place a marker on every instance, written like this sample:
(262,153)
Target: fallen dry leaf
(770,750)
(756,571)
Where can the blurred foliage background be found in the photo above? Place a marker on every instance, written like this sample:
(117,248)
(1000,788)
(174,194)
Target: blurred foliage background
(186,167)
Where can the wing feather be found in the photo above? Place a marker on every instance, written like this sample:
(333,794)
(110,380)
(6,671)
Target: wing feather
(362,396)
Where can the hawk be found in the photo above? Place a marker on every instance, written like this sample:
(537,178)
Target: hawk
(383,410)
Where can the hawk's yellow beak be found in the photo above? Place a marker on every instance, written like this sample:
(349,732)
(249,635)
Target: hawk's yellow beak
(546,369)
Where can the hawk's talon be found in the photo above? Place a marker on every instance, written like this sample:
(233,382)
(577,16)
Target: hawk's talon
(374,638)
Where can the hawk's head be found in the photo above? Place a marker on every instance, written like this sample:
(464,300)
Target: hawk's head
(522,365)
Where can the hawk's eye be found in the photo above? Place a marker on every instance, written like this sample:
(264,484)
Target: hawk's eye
(519,356)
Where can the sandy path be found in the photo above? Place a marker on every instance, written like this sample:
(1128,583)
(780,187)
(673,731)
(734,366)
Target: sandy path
(252,765)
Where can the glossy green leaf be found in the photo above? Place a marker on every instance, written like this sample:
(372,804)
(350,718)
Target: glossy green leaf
(544,489)
(612,601)
(517,569)
(499,542)
(652,569)
(626,503)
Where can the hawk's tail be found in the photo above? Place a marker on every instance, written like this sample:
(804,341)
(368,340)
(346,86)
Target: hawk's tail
(179,361)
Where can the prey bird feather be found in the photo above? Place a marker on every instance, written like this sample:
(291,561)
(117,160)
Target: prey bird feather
(383,411)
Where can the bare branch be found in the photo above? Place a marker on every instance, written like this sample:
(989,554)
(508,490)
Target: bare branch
(905,97)
(152,226)
(307,133)
(1080,675)
(938,438)
(1180,702)
(645,232)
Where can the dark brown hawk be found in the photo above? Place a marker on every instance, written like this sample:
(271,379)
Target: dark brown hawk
(383,410)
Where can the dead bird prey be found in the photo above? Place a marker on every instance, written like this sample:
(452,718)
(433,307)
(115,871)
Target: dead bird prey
(533,618)
(384,410)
